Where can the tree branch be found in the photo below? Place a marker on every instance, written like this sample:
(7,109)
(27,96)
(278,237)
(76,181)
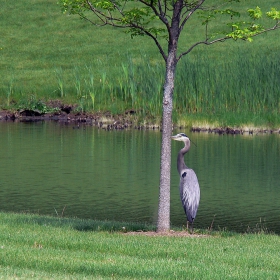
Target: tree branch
(160,13)
(223,39)
(117,22)
(153,37)
(206,42)
(109,20)
(190,14)
(276,26)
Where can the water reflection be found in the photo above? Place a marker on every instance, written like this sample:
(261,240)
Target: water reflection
(115,175)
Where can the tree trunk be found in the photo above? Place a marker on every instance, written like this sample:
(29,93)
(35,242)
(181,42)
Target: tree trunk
(163,222)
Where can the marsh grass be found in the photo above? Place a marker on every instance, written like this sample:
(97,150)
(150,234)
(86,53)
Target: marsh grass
(242,86)
(232,91)
(41,247)
(60,81)
(260,227)
(55,56)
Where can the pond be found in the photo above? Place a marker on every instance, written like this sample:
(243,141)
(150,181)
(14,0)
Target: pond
(85,172)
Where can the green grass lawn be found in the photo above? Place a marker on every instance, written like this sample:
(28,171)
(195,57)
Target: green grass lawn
(39,247)
(46,55)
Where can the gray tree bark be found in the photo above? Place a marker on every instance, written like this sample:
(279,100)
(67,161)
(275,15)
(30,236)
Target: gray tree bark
(163,222)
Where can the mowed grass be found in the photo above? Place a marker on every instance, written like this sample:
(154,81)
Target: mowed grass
(46,55)
(39,247)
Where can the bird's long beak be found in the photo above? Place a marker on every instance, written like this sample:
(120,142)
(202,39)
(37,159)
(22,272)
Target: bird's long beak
(175,137)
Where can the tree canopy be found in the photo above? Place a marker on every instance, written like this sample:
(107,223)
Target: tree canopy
(154,18)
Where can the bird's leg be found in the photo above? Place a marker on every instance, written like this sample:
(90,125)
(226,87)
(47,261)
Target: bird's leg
(192,228)
(187,226)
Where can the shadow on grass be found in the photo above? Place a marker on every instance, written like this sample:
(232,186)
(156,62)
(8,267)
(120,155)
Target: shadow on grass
(88,225)
(75,223)
(112,226)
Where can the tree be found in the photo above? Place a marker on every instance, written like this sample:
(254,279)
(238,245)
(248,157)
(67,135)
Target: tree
(164,21)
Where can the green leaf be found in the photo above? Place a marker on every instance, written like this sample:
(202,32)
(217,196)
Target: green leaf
(273,14)
(255,13)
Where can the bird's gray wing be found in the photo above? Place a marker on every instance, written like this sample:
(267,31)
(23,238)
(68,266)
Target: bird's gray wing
(190,193)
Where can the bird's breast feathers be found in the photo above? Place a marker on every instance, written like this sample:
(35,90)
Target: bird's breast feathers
(187,173)
(188,179)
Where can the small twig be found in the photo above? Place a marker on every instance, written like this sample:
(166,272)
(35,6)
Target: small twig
(62,213)
(211,226)
(55,211)
(63,210)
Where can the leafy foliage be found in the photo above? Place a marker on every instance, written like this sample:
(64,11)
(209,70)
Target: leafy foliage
(246,30)
(274,14)
(156,19)
(115,13)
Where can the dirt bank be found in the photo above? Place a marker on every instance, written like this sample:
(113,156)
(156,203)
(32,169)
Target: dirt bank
(65,114)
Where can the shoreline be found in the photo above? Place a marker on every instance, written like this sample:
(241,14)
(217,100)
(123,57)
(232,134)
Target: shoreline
(107,121)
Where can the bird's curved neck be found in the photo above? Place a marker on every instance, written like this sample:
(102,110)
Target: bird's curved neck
(180,160)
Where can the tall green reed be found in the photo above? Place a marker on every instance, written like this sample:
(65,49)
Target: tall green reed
(60,81)
(240,83)
(89,81)
(137,85)
(10,90)
(77,81)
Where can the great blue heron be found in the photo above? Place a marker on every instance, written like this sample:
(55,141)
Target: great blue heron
(189,187)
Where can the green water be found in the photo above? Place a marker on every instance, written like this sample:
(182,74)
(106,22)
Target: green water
(92,173)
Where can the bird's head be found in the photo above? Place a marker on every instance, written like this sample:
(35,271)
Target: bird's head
(180,137)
